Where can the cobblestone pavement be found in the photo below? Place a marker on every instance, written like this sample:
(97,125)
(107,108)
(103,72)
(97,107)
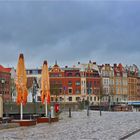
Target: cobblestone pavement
(110,126)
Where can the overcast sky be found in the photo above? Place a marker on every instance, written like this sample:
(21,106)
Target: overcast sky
(69,31)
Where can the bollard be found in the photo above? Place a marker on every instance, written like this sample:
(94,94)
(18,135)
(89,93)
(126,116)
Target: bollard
(52,112)
(69,112)
(88,111)
(49,116)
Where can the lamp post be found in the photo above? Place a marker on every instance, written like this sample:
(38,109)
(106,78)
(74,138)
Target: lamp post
(3,83)
(34,91)
(34,94)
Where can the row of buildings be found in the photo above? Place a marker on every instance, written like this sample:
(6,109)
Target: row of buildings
(89,81)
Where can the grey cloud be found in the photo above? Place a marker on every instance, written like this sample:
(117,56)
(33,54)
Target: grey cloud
(69,31)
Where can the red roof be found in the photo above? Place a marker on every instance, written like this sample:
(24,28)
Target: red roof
(2,69)
(8,69)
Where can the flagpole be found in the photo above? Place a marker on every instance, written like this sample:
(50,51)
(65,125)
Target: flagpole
(21,111)
(46,107)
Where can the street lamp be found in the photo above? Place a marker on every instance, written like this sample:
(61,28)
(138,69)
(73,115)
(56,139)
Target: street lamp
(34,91)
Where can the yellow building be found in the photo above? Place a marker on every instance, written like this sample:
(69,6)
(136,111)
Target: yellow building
(107,77)
(120,84)
(132,88)
(132,82)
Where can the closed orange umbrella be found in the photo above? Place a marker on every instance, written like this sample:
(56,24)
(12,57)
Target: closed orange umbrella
(21,81)
(45,85)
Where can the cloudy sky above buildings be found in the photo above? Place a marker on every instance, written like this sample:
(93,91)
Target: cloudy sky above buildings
(70,31)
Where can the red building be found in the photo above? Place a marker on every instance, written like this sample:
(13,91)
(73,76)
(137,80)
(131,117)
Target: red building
(67,83)
(5,79)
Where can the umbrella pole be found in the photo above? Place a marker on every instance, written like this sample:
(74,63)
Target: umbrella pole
(21,111)
(46,107)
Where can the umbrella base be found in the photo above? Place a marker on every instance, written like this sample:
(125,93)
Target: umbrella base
(46,120)
(25,122)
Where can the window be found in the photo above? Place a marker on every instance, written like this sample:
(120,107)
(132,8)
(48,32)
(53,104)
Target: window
(60,98)
(70,98)
(95,98)
(77,83)
(118,74)
(77,91)
(52,99)
(89,84)
(69,74)
(28,72)
(91,75)
(70,90)
(77,98)
(89,90)
(90,98)
(56,75)
(38,98)
(77,74)
(60,90)
(69,83)
(51,75)
(117,82)
(34,72)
